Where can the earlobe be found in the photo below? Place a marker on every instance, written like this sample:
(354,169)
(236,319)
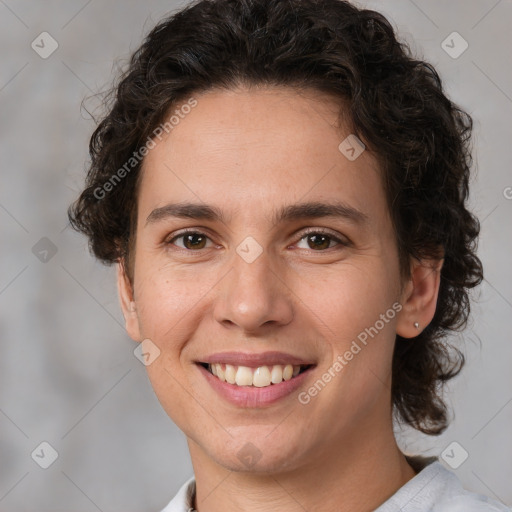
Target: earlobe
(419,298)
(127,302)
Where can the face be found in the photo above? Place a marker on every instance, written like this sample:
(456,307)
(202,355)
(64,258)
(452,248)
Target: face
(251,279)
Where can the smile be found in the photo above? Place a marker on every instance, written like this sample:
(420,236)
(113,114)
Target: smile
(260,377)
(254,380)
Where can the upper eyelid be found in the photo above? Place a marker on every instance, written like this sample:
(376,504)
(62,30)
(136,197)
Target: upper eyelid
(198,231)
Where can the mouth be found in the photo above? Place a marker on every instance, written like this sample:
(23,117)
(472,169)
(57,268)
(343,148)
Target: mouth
(260,377)
(249,380)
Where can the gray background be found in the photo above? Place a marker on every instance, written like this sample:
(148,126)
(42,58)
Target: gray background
(68,375)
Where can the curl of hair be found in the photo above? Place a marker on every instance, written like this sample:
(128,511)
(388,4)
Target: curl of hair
(394,103)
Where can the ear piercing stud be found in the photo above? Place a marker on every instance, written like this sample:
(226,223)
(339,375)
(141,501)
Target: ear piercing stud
(417,325)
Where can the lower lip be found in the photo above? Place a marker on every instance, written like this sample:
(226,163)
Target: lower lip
(251,396)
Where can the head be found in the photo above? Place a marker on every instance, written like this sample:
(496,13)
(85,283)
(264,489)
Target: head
(243,108)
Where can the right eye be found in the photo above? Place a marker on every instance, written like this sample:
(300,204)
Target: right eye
(192,240)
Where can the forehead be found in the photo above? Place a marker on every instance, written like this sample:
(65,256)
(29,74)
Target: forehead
(250,150)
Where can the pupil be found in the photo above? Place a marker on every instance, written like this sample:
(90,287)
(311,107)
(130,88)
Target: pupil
(195,244)
(317,238)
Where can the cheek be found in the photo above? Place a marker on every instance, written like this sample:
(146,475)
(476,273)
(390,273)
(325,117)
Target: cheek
(354,308)
(168,297)
(168,305)
(349,298)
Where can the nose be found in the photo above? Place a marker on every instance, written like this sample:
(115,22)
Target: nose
(254,296)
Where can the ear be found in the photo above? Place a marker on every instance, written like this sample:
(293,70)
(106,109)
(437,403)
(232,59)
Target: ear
(128,304)
(419,297)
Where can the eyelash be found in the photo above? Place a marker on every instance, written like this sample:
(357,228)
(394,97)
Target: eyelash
(305,234)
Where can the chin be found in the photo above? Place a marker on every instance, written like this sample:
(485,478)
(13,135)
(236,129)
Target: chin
(256,451)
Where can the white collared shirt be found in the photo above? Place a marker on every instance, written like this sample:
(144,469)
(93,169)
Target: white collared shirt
(433,489)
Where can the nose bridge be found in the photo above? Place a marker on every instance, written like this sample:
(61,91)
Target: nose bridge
(253,269)
(254,295)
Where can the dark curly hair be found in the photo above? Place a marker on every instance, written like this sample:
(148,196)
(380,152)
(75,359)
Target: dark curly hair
(394,103)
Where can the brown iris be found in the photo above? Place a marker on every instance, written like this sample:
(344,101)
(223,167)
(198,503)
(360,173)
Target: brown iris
(319,241)
(196,240)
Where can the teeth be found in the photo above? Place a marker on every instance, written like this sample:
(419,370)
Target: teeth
(243,376)
(260,377)
(277,374)
(288,372)
(230,373)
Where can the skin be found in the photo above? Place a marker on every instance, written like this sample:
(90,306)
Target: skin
(249,152)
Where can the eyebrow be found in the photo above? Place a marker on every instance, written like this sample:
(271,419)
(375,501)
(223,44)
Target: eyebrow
(310,210)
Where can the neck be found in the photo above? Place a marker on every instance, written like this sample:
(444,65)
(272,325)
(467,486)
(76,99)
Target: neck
(355,475)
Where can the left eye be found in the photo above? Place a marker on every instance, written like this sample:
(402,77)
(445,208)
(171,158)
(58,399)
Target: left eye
(320,240)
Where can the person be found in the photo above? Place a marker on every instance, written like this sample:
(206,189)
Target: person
(282,187)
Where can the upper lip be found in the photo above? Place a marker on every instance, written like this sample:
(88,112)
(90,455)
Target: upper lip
(255,360)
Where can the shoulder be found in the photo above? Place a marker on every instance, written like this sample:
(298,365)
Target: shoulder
(453,497)
(470,502)
(437,489)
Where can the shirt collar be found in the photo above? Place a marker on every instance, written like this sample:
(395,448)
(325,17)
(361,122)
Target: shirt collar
(183,501)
